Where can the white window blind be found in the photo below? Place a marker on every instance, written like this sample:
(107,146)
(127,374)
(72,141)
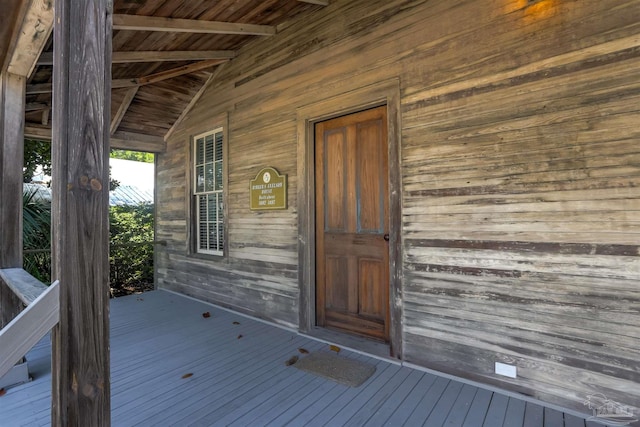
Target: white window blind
(208,192)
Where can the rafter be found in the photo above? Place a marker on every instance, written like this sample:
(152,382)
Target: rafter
(193,102)
(141,81)
(30,37)
(36,106)
(155,56)
(320,2)
(122,110)
(122,83)
(176,72)
(42,133)
(37,89)
(153,23)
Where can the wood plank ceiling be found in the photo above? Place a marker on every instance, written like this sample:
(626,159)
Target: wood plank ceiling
(164,53)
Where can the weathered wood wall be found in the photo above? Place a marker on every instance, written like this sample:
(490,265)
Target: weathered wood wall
(520,181)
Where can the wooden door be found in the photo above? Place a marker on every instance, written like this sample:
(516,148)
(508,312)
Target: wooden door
(352,225)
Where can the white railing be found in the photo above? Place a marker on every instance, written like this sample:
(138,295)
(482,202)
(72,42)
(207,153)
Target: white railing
(42,313)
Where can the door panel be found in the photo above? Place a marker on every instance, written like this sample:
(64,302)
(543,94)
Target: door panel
(335,213)
(371,287)
(352,256)
(369,180)
(336,268)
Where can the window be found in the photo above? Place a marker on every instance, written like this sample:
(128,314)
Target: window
(208,192)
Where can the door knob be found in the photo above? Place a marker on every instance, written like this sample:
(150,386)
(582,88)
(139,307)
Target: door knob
(386,237)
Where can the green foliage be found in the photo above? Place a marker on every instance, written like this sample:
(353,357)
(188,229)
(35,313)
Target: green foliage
(131,227)
(136,156)
(131,243)
(36,236)
(36,153)
(131,253)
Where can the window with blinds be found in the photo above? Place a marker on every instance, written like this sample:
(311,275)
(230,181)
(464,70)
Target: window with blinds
(208,192)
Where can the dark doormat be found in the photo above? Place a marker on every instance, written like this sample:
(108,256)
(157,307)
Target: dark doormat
(336,368)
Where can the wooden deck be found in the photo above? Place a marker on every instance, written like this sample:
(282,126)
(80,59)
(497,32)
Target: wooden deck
(239,378)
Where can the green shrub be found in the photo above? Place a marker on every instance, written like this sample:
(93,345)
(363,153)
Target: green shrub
(131,249)
(36,236)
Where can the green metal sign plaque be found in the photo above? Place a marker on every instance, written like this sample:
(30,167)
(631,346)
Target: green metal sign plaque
(268,190)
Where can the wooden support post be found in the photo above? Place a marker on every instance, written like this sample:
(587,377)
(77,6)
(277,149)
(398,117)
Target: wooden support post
(80,153)
(12,102)
(12,99)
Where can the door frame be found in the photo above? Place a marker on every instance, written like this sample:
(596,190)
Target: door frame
(383,93)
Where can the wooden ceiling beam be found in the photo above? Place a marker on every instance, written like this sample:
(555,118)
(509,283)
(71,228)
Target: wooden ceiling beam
(155,56)
(42,133)
(320,2)
(141,81)
(166,75)
(122,110)
(138,142)
(176,72)
(37,89)
(119,140)
(153,23)
(36,106)
(122,83)
(30,37)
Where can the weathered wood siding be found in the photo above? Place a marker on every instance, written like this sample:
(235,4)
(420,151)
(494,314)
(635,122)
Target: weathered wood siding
(520,181)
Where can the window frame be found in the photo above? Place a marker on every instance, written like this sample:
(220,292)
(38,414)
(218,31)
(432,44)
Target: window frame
(195,195)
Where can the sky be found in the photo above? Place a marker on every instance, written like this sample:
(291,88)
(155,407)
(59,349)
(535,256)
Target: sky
(137,174)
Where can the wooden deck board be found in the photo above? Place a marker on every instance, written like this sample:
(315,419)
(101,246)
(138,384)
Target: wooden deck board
(203,405)
(334,413)
(379,398)
(408,405)
(255,399)
(219,384)
(365,397)
(552,417)
(461,406)
(533,415)
(514,417)
(479,408)
(573,421)
(299,408)
(289,400)
(429,400)
(313,414)
(190,360)
(159,337)
(263,408)
(247,388)
(388,407)
(497,411)
(442,409)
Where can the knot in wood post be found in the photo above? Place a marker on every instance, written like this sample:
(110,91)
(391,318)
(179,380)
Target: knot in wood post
(92,184)
(96,185)
(88,390)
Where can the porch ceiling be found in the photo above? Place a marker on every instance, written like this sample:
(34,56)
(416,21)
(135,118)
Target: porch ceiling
(164,53)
